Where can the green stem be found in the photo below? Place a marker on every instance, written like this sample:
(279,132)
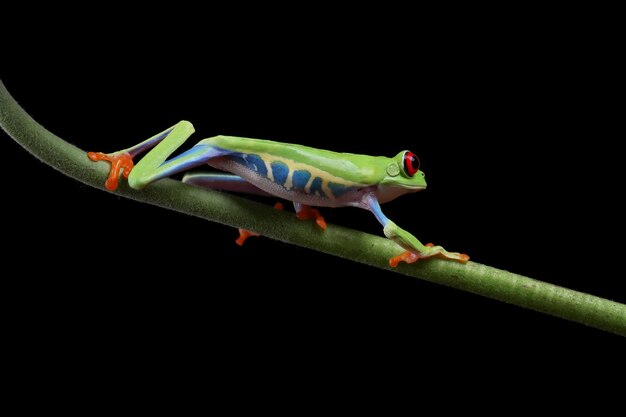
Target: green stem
(339,241)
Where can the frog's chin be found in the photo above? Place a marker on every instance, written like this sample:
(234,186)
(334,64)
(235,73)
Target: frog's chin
(385,194)
(416,188)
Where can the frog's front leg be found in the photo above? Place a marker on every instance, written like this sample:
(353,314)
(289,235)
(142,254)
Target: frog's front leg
(414,248)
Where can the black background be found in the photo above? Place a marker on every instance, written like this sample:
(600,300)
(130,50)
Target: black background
(508,123)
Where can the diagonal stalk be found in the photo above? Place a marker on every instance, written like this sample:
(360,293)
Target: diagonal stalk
(336,240)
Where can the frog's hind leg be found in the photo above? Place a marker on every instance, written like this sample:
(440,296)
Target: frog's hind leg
(223,182)
(155,165)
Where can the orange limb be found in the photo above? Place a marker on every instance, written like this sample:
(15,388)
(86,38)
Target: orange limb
(120,163)
(307,213)
(407,256)
(245,234)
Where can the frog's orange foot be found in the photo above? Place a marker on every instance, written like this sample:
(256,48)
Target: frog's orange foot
(407,256)
(410,257)
(243,235)
(307,213)
(121,162)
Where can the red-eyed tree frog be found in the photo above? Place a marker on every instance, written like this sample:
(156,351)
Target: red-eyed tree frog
(304,175)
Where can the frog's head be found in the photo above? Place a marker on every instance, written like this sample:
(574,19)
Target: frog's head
(402,176)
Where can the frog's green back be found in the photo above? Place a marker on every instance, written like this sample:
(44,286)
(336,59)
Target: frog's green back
(351,169)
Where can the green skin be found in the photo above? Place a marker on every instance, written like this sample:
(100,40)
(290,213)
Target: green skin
(364,181)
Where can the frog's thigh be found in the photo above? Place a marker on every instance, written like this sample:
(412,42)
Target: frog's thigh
(224,182)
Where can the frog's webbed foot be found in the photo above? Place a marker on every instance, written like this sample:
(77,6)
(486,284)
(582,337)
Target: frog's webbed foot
(434,250)
(304,212)
(121,163)
(409,257)
(414,250)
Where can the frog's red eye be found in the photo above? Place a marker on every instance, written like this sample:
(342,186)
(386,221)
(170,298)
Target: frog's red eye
(411,163)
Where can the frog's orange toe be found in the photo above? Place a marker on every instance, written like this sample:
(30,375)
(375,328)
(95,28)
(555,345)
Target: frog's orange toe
(96,156)
(319,220)
(454,256)
(244,235)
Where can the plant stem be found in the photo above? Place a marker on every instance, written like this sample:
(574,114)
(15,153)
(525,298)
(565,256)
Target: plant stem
(335,240)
